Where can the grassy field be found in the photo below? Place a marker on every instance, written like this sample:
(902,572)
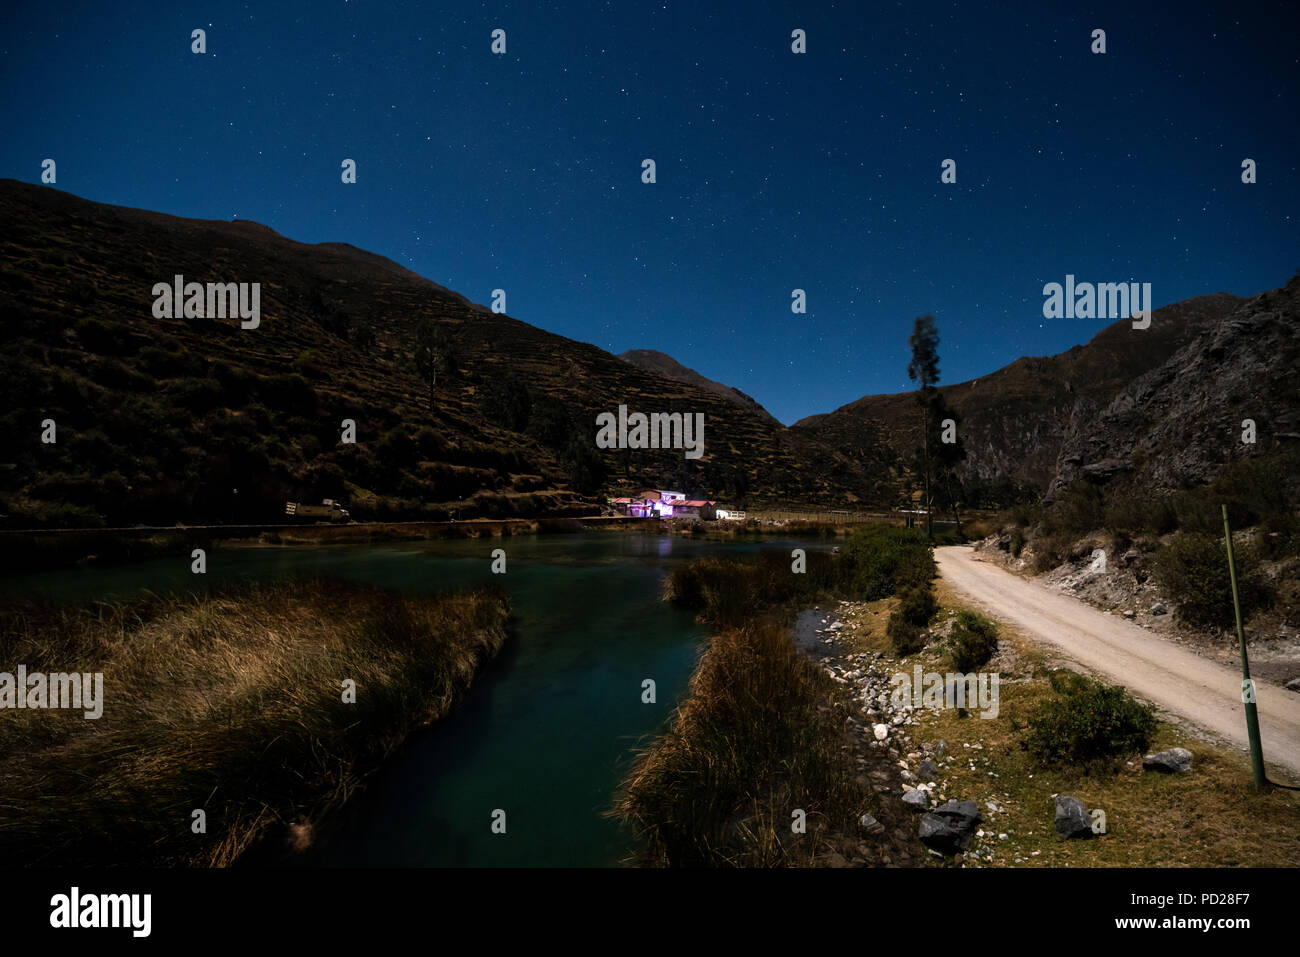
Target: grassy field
(1208,818)
(231,703)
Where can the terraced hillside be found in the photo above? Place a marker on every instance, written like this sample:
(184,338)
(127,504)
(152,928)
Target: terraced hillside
(166,420)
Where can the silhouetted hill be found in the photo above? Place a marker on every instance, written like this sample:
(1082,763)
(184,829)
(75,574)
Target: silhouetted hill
(165,420)
(1015,421)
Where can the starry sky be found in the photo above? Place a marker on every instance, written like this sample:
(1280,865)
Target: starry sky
(775,170)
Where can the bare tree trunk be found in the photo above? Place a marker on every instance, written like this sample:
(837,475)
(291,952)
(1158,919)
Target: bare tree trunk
(926,467)
(947,481)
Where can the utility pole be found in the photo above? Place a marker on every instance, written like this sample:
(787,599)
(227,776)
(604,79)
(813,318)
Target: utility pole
(1247,685)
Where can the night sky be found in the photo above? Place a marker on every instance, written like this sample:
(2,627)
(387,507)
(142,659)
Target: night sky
(775,171)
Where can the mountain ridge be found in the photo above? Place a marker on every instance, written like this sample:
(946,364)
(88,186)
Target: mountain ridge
(164,420)
(654,361)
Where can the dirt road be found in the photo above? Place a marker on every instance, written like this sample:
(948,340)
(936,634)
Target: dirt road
(1206,693)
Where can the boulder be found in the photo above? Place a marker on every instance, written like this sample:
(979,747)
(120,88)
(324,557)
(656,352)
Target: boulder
(915,799)
(1072,818)
(1175,760)
(1106,469)
(950,829)
(929,771)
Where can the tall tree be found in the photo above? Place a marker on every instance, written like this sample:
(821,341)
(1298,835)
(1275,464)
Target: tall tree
(949,449)
(924,371)
(431,353)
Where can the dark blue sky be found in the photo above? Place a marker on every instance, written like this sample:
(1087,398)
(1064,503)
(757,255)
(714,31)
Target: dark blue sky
(775,170)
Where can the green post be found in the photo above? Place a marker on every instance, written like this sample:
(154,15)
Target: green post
(1252,714)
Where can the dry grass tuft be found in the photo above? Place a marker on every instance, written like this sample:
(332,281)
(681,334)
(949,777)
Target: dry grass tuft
(230,702)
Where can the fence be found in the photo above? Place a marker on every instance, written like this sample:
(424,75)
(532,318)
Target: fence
(826,517)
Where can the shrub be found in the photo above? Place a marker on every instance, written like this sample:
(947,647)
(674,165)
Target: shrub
(906,637)
(726,591)
(1077,511)
(506,401)
(973,642)
(1050,550)
(584,467)
(1087,724)
(881,560)
(107,339)
(1021,515)
(1135,514)
(1193,571)
(917,605)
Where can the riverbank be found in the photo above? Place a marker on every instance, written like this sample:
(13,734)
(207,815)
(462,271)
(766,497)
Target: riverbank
(1208,817)
(47,550)
(765,763)
(767,732)
(37,550)
(230,720)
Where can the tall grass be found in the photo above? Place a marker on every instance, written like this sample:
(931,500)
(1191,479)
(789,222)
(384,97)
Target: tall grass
(727,591)
(230,702)
(757,737)
(875,562)
(762,730)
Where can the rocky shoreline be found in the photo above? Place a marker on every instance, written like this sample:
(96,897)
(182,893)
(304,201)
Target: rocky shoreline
(923,819)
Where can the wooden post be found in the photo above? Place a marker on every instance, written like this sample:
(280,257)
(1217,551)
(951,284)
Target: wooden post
(1252,713)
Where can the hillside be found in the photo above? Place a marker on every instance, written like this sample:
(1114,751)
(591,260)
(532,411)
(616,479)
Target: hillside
(164,420)
(666,365)
(1178,423)
(1015,421)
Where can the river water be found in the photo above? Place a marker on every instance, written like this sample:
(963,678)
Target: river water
(548,728)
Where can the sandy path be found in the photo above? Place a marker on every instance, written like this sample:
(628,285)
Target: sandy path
(1206,693)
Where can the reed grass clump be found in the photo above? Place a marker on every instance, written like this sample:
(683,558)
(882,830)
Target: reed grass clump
(230,702)
(757,736)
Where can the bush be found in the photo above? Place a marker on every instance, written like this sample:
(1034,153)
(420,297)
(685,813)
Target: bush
(1078,510)
(584,468)
(1258,491)
(1135,514)
(728,592)
(881,560)
(506,401)
(906,637)
(974,641)
(1051,549)
(1193,571)
(917,606)
(1087,724)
